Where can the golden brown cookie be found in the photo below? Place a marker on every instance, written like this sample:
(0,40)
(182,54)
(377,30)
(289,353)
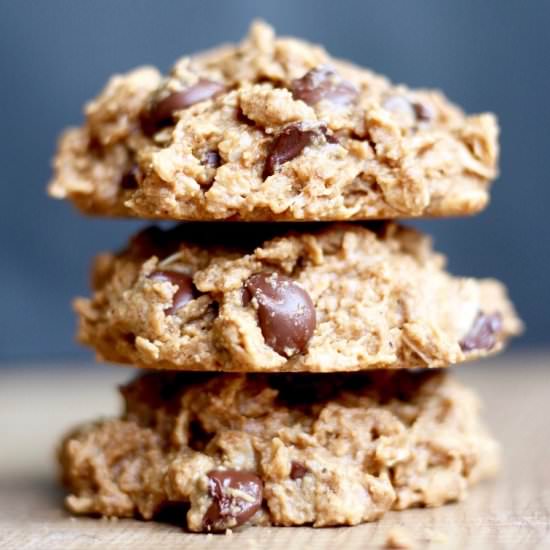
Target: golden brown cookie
(273,129)
(223,450)
(273,297)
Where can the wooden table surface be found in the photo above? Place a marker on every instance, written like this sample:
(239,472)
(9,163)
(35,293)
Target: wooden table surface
(39,402)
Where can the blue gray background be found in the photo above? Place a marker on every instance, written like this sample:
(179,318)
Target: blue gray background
(54,55)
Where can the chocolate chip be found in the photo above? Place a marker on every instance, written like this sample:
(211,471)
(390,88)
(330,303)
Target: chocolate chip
(424,112)
(399,105)
(286,146)
(285,311)
(236,497)
(212,159)
(160,113)
(185,292)
(290,143)
(323,83)
(418,110)
(129,181)
(298,470)
(483,332)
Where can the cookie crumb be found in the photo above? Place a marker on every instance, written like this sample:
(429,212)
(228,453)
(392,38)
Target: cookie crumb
(399,538)
(432,535)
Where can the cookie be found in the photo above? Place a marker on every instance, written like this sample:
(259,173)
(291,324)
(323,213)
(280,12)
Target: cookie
(294,449)
(273,129)
(278,297)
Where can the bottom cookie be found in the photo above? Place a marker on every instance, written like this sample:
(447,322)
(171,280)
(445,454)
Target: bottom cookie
(222,450)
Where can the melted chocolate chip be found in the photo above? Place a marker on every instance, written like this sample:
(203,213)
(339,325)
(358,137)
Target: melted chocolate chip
(298,470)
(290,143)
(285,311)
(161,113)
(185,292)
(286,146)
(323,83)
(483,332)
(236,497)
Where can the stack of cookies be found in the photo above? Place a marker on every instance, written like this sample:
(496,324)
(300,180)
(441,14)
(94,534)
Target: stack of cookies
(291,373)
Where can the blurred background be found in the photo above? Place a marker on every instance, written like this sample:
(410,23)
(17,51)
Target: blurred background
(55,55)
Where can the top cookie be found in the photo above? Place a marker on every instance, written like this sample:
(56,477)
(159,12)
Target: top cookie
(273,129)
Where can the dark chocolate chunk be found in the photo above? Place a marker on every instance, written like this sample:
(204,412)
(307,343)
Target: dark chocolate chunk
(185,292)
(290,143)
(286,313)
(286,146)
(236,497)
(161,113)
(483,332)
(323,83)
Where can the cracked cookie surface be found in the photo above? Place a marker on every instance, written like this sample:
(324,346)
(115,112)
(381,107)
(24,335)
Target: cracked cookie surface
(279,297)
(273,129)
(282,449)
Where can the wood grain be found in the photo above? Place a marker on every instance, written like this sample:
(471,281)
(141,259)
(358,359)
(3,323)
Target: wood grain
(38,404)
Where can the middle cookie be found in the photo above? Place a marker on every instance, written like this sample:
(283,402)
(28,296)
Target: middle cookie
(279,297)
